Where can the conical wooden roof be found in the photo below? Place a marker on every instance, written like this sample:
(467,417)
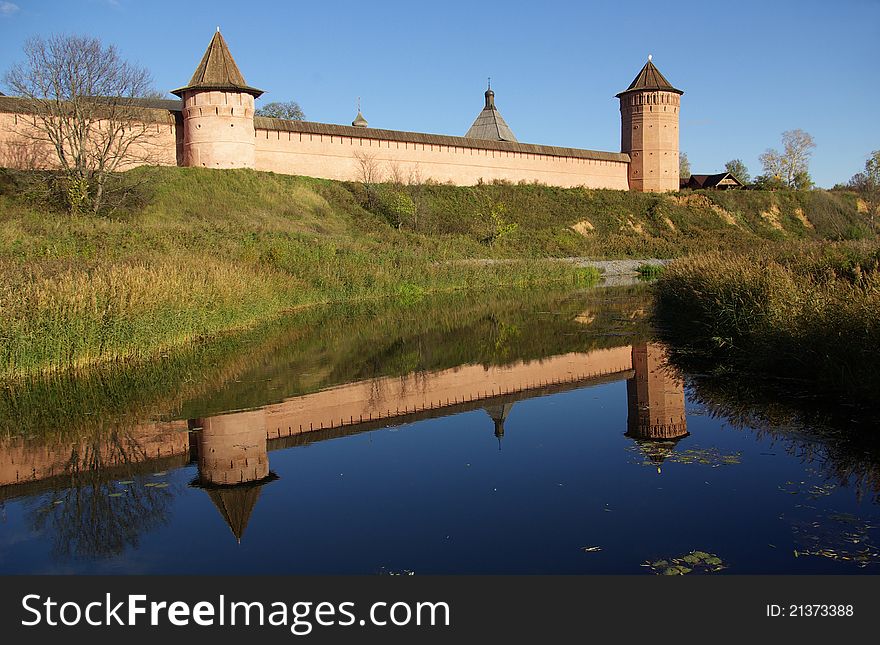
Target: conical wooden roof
(648,79)
(218,71)
(236,503)
(489,124)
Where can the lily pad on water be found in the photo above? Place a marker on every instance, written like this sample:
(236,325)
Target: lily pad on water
(695,561)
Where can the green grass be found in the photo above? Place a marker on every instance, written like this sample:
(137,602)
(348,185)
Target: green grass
(650,271)
(810,314)
(203,252)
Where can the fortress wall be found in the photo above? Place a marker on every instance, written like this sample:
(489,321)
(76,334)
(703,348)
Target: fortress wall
(162,144)
(330,156)
(339,156)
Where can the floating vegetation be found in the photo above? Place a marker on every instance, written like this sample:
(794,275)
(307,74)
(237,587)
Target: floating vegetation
(837,536)
(115,495)
(156,485)
(695,561)
(813,491)
(654,452)
(706,457)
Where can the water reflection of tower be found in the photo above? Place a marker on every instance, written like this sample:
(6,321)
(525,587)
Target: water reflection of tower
(499,414)
(233,462)
(655,397)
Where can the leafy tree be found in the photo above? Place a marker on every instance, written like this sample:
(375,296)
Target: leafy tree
(791,166)
(289,110)
(869,179)
(87,116)
(802,181)
(771,182)
(738,169)
(684,166)
(867,184)
(397,206)
(497,227)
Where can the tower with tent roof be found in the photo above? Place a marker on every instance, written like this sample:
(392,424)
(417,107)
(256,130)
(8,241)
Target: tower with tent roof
(649,117)
(218,112)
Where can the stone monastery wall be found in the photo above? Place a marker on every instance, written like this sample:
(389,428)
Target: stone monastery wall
(344,153)
(23,144)
(337,152)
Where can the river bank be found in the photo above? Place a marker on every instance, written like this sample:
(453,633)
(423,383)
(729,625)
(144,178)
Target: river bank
(196,253)
(810,316)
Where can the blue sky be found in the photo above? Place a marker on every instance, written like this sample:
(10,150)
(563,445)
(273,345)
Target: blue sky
(750,70)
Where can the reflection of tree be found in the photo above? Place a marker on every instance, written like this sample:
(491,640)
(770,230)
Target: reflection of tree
(95,515)
(841,446)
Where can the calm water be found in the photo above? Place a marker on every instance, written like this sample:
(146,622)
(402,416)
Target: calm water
(524,433)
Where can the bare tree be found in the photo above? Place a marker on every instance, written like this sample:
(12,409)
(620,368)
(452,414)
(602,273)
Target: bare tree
(289,110)
(84,102)
(369,174)
(416,189)
(395,174)
(791,166)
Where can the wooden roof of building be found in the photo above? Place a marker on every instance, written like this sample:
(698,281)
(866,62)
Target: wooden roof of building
(218,71)
(150,109)
(649,79)
(489,123)
(710,181)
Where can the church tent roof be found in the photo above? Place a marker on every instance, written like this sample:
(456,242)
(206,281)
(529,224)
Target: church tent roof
(218,71)
(489,123)
(650,78)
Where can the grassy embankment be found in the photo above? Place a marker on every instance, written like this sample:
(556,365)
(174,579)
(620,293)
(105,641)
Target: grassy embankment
(213,251)
(810,314)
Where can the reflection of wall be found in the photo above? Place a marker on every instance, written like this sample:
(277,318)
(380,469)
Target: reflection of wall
(23,460)
(389,397)
(655,396)
(231,448)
